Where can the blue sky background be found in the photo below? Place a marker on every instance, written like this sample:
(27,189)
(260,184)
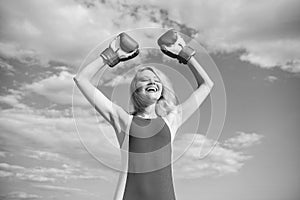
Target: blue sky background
(255,45)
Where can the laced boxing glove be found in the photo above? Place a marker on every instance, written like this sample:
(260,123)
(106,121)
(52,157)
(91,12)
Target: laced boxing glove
(172,44)
(122,48)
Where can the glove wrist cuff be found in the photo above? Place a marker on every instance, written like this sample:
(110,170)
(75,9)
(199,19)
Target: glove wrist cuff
(185,54)
(130,57)
(110,57)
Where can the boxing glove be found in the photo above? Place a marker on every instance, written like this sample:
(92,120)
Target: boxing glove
(122,48)
(173,45)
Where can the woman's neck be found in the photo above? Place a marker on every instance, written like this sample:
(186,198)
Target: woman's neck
(149,112)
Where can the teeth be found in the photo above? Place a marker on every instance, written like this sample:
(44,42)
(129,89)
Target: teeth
(151,88)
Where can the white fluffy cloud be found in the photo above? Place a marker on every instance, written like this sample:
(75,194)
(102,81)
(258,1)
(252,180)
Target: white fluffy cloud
(6,68)
(3,154)
(5,174)
(46,127)
(222,160)
(271,78)
(65,31)
(58,134)
(59,188)
(61,89)
(267,32)
(13,99)
(50,174)
(44,155)
(243,140)
(59,32)
(65,189)
(24,54)
(58,89)
(20,195)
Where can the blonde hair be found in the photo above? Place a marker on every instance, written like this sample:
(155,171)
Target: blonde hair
(167,101)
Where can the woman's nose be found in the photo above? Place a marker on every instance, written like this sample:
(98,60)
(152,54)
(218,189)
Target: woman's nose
(152,81)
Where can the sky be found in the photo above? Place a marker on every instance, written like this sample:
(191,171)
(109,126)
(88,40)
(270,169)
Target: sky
(54,145)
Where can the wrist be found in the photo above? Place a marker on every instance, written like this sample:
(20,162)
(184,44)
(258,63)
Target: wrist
(186,54)
(110,57)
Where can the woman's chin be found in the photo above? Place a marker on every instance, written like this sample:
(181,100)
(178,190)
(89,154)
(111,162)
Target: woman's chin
(153,96)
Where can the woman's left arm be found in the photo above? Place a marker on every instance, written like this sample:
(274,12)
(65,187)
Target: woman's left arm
(189,106)
(173,45)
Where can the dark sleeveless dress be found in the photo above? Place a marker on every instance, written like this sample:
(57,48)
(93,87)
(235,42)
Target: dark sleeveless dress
(149,175)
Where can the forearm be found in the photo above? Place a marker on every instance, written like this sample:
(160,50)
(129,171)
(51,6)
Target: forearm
(199,73)
(89,71)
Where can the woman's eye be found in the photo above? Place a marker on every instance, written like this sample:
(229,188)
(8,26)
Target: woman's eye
(143,80)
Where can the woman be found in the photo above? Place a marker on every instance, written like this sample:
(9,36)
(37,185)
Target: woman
(147,134)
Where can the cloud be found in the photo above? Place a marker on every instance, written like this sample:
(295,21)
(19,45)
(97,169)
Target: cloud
(6,68)
(66,162)
(118,80)
(23,173)
(5,174)
(44,155)
(12,50)
(20,195)
(56,132)
(52,129)
(243,140)
(266,39)
(233,26)
(252,28)
(13,99)
(50,174)
(222,160)
(271,78)
(33,177)
(53,136)
(9,167)
(3,154)
(72,36)
(59,188)
(65,189)
(57,89)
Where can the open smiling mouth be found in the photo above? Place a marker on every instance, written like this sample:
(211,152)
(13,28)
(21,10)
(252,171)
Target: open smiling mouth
(152,89)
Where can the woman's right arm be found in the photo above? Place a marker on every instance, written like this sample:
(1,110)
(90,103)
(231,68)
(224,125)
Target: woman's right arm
(110,111)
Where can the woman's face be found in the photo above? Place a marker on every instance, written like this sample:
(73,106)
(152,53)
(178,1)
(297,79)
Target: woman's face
(149,85)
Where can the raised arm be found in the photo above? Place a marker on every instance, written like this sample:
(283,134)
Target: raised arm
(189,106)
(172,44)
(96,98)
(110,111)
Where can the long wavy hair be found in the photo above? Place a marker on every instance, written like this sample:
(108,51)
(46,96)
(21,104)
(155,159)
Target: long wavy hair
(167,101)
